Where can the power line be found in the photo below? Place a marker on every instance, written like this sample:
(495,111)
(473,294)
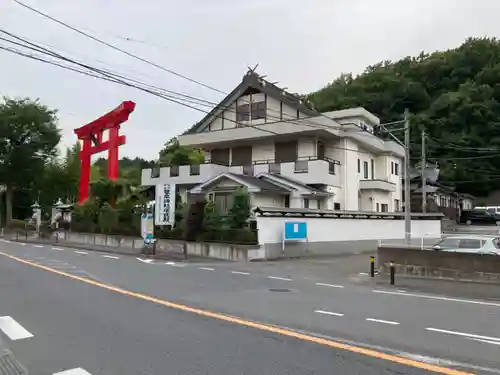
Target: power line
(461,148)
(115,47)
(126,52)
(117,78)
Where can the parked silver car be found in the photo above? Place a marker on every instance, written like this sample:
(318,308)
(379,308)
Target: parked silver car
(469,244)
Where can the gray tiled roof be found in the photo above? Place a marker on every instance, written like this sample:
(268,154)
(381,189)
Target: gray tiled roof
(253,80)
(261,184)
(295,182)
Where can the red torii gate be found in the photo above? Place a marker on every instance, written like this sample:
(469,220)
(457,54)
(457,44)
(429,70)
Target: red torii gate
(91,136)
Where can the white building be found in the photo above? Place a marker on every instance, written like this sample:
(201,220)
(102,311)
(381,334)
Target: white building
(288,155)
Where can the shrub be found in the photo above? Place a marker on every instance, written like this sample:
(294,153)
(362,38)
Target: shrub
(240,211)
(107,219)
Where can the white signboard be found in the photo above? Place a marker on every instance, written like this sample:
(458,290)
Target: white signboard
(165,204)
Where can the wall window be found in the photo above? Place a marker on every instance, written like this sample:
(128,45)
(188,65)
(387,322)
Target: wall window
(243,112)
(306,203)
(384,207)
(359,166)
(373,168)
(396,205)
(365,169)
(336,206)
(392,167)
(396,169)
(287,201)
(258,110)
(378,207)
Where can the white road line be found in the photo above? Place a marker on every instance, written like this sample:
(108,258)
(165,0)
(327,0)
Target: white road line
(463,334)
(484,303)
(330,285)
(57,249)
(13,329)
(279,278)
(22,243)
(81,252)
(38,246)
(73,371)
(382,321)
(145,260)
(170,263)
(328,313)
(110,257)
(206,268)
(240,273)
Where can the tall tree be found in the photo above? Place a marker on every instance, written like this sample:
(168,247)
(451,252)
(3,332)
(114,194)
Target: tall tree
(454,95)
(28,138)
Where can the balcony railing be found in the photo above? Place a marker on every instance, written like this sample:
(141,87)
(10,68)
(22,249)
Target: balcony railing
(308,169)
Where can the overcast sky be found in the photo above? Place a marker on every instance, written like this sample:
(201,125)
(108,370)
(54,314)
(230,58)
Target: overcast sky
(303,45)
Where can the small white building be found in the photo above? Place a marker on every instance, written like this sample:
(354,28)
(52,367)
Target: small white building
(287,154)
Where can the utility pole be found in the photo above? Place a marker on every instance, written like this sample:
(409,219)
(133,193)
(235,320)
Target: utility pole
(407,178)
(423,166)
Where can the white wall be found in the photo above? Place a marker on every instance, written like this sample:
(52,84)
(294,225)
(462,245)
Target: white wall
(266,200)
(330,230)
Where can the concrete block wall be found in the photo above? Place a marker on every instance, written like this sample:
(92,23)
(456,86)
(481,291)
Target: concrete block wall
(430,264)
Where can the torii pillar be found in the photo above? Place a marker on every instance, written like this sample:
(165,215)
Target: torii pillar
(91,137)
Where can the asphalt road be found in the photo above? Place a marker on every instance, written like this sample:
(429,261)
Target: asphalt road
(78,320)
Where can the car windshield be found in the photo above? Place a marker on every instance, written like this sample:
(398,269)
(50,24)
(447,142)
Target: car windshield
(461,243)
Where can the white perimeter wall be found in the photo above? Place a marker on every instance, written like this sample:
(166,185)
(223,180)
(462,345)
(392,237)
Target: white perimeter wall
(331,230)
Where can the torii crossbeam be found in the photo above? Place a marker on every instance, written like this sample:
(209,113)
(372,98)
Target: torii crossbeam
(91,136)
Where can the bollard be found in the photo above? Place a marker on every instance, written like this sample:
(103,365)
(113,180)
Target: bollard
(392,271)
(372,266)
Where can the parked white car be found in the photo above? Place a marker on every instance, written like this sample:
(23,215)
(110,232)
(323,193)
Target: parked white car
(469,244)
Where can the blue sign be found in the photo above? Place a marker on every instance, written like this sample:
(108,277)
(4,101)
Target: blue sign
(295,230)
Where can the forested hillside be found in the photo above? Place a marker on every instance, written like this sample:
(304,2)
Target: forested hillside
(454,95)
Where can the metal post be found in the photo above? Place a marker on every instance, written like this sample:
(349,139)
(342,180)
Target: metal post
(392,272)
(407,179)
(372,266)
(423,166)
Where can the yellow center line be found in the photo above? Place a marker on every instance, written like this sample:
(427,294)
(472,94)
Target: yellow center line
(247,323)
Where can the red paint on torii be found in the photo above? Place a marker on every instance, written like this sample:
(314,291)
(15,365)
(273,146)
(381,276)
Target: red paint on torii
(91,136)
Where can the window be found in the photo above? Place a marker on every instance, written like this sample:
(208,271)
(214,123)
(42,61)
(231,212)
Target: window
(396,169)
(174,171)
(365,169)
(359,166)
(378,207)
(243,112)
(287,201)
(194,170)
(396,205)
(384,207)
(306,203)
(373,168)
(336,206)
(392,167)
(258,110)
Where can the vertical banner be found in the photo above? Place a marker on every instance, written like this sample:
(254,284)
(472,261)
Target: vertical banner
(147,225)
(165,204)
